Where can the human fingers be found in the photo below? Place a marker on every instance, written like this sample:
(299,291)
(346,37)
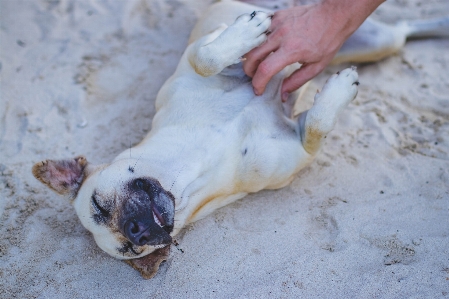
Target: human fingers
(269,67)
(258,54)
(299,77)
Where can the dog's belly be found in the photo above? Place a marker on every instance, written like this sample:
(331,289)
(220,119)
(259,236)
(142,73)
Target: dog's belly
(218,125)
(192,100)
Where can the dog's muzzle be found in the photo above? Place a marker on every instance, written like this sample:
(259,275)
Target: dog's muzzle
(148,213)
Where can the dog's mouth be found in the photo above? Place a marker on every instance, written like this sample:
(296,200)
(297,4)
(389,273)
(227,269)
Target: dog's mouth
(157,216)
(148,213)
(162,217)
(128,248)
(133,251)
(151,230)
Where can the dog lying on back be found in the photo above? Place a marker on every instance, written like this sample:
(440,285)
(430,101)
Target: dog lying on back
(212,142)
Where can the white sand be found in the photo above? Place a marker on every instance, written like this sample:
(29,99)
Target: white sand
(368,219)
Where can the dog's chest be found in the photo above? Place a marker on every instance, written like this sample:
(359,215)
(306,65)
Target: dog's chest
(220,101)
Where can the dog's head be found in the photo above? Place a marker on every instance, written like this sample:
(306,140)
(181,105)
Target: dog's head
(129,214)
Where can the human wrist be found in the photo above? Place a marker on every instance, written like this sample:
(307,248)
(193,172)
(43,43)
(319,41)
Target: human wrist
(348,15)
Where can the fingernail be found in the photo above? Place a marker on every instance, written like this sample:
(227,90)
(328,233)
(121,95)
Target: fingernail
(284,96)
(256,92)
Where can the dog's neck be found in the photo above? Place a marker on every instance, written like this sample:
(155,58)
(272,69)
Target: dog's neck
(181,168)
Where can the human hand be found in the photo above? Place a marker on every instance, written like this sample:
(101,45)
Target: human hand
(310,35)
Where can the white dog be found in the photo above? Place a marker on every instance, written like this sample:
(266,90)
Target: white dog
(212,142)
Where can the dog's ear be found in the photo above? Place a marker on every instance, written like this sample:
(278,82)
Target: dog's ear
(63,176)
(149,264)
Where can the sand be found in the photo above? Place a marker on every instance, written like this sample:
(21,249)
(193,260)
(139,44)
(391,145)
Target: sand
(369,218)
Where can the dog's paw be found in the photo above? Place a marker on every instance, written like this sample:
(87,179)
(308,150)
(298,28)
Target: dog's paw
(253,25)
(341,88)
(248,31)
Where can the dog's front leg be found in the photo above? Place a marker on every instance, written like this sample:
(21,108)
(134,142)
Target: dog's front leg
(226,45)
(316,123)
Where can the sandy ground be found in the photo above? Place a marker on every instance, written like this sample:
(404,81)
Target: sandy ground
(368,219)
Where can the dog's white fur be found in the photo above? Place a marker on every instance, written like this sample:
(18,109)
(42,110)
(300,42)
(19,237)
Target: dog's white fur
(212,140)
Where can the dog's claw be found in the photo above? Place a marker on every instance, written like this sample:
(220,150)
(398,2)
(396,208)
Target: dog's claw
(356,83)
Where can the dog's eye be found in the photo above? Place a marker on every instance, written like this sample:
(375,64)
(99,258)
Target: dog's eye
(140,184)
(99,208)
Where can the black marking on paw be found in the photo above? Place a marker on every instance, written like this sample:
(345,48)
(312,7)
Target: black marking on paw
(356,83)
(338,73)
(252,15)
(131,169)
(244,152)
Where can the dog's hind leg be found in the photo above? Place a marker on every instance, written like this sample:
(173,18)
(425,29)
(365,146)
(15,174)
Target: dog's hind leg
(225,46)
(374,40)
(318,121)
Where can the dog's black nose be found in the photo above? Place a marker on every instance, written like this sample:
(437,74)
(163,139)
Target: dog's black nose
(137,232)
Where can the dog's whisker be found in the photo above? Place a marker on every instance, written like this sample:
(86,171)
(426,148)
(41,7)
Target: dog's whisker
(137,161)
(176,178)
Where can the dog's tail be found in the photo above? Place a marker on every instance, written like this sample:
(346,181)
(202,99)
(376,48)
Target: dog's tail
(426,28)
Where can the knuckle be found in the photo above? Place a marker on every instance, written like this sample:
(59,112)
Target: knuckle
(283,31)
(264,68)
(290,48)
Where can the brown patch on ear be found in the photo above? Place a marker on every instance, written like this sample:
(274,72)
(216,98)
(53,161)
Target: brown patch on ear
(62,176)
(149,264)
